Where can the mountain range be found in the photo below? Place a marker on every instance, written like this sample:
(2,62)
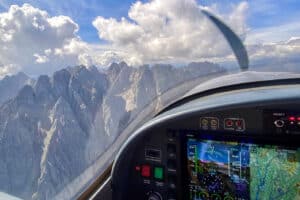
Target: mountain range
(54,127)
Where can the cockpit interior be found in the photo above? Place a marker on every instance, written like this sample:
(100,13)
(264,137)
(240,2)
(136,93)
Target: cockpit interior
(150,100)
(235,141)
(232,143)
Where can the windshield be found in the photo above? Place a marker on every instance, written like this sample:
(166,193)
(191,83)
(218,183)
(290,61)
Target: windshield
(78,77)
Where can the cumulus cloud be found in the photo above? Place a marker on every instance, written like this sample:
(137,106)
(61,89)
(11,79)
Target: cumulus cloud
(276,42)
(32,41)
(156,31)
(281,50)
(170,29)
(175,30)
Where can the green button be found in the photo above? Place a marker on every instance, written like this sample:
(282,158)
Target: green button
(158,173)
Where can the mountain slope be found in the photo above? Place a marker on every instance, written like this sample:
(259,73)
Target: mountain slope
(54,129)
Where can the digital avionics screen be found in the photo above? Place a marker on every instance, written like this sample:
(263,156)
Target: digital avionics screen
(230,171)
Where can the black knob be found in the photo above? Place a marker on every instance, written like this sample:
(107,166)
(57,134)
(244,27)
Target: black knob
(155,196)
(171,149)
(171,164)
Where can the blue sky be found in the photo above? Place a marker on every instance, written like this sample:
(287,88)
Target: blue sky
(262,13)
(265,12)
(82,12)
(144,32)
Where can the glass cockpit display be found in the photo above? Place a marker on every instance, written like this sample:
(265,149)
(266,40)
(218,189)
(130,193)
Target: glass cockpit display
(240,171)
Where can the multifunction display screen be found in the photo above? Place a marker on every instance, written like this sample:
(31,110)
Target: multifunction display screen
(237,171)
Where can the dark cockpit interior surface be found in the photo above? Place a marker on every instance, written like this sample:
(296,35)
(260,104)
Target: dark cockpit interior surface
(239,144)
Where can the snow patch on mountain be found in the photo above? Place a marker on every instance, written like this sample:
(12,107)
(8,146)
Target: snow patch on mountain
(49,134)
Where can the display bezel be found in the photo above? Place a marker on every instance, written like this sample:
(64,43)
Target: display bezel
(286,142)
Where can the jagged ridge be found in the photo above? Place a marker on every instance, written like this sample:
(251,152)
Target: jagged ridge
(55,128)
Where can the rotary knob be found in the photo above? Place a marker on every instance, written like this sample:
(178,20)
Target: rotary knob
(279,123)
(155,196)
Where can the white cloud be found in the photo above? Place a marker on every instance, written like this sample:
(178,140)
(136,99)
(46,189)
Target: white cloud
(157,31)
(8,69)
(40,59)
(284,50)
(162,30)
(175,30)
(34,42)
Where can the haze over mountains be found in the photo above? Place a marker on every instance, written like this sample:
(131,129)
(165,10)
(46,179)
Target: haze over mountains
(53,128)
(10,85)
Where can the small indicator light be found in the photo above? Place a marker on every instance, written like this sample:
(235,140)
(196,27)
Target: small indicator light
(292,118)
(137,168)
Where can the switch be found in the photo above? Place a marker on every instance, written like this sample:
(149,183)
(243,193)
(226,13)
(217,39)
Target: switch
(172,181)
(155,196)
(158,173)
(171,165)
(146,171)
(214,124)
(153,154)
(229,123)
(236,124)
(171,195)
(171,136)
(240,125)
(171,149)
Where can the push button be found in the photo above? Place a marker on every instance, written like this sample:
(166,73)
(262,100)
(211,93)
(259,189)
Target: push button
(171,136)
(235,124)
(158,173)
(171,149)
(172,181)
(146,171)
(171,195)
(171,165)
(228,123)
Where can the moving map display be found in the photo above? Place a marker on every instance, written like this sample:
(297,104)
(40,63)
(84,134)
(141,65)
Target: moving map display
(237,171)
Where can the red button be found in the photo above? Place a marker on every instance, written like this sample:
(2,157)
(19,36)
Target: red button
(292,118)
(239,123)
(146,171)
(229,123)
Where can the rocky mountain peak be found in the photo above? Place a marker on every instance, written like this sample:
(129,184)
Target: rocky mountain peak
(26,94)
(60,82)
(115,69)
(65,122)
(43,82)
(10,85)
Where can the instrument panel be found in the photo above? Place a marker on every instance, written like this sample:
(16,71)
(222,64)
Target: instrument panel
(240,170)
(240,152)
